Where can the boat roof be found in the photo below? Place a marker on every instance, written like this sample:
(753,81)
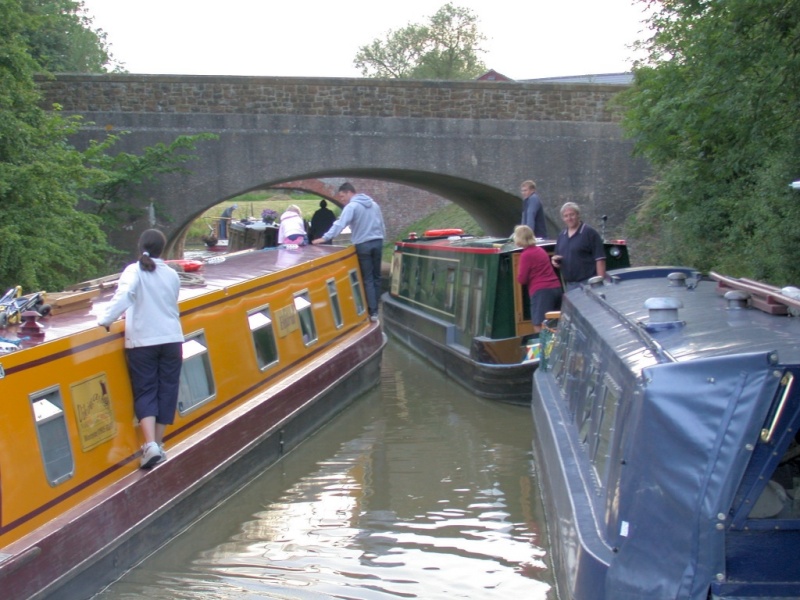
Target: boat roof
(216,273)
(468,244)
(707,325)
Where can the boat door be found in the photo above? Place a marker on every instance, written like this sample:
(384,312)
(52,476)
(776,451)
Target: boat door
(522,302)
(764,533)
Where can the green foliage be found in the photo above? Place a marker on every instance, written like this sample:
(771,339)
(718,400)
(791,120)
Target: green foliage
(447,48)
(47,243)
(251,204)
(714,109)
(61,38)
(117,179)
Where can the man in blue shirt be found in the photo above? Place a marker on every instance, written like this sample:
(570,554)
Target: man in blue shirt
(365,219)
(579,253)
(532,210)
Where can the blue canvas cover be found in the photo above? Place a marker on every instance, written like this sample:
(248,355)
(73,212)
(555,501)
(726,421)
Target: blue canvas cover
(691,432)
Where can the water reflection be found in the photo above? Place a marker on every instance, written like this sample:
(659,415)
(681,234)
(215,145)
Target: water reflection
(416,491)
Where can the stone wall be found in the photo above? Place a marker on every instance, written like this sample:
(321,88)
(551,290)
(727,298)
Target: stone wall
(331,97)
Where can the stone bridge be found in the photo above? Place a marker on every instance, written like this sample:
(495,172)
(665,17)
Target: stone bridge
(470,143)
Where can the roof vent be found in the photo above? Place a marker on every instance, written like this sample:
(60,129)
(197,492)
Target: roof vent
(596,281)
(663,313)
(794,293)
(737,299)
(676,279)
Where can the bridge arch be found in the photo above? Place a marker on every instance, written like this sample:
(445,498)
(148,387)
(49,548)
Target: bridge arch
(471,143)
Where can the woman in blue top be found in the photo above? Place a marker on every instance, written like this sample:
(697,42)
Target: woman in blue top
(147,293)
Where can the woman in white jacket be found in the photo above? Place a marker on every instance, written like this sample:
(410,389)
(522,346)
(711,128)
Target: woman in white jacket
(147,292)
(292,229)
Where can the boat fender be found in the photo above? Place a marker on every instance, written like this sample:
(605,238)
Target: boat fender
(443,232)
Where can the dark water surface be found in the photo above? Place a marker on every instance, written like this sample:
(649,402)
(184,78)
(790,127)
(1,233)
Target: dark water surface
(418,490)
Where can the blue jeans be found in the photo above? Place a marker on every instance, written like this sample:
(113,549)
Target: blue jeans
(369,259)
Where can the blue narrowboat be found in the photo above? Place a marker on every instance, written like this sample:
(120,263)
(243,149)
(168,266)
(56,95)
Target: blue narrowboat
(666,419)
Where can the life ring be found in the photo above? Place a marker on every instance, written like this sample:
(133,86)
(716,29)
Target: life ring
(442,232)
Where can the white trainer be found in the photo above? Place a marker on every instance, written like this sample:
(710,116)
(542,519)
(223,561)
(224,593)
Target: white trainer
(151,455)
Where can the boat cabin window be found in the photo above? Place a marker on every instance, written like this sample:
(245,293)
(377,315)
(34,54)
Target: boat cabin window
(471,303)
(450,289)
(476,306)
(51,428)
(307,326)
(197,381)
(558,354)
(333,294)
(263,332)
(581,403)
(404,277)
(358,296)
(604,422)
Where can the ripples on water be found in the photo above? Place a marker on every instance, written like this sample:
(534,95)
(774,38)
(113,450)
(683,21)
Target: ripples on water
(418,490)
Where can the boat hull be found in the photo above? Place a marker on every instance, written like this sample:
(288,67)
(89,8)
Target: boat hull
(580,558)
(435,340)
(131,519)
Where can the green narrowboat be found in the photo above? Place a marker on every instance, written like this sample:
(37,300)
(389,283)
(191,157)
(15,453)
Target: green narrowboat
(455,299)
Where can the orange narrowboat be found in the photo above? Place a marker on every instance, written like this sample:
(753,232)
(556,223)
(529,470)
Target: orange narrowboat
(276,342)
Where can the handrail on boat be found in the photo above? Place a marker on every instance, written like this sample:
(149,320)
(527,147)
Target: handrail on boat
(767,298)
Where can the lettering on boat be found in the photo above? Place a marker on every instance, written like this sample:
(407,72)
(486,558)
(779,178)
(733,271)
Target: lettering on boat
(286,320)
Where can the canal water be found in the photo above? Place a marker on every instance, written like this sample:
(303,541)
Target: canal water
(418,490)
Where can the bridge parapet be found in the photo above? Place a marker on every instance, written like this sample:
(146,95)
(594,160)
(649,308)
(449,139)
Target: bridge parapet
(331,97)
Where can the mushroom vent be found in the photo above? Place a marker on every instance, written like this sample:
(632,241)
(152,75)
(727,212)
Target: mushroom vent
(736,299)
(794,293)
(597,281)
(663,313)
(676,280)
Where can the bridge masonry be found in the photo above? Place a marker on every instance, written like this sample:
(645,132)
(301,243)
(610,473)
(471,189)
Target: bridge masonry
(471,143)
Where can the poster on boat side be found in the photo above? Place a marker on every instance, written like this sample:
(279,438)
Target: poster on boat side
(93,411)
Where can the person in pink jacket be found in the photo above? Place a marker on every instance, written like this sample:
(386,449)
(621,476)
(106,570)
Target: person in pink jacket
(292,229)
(536,272)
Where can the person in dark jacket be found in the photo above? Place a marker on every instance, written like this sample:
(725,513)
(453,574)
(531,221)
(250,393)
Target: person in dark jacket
(225,220)
(321,221)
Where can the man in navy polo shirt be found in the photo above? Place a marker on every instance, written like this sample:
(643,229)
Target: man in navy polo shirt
(579,251)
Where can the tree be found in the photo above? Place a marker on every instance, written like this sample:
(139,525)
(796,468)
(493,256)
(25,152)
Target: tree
(448,47)
(714,109)
(47,243)
(62,39)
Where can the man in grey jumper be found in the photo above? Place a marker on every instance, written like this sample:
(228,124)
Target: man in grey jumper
(364,217)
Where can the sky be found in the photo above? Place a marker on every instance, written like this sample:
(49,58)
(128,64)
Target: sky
(527,39)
